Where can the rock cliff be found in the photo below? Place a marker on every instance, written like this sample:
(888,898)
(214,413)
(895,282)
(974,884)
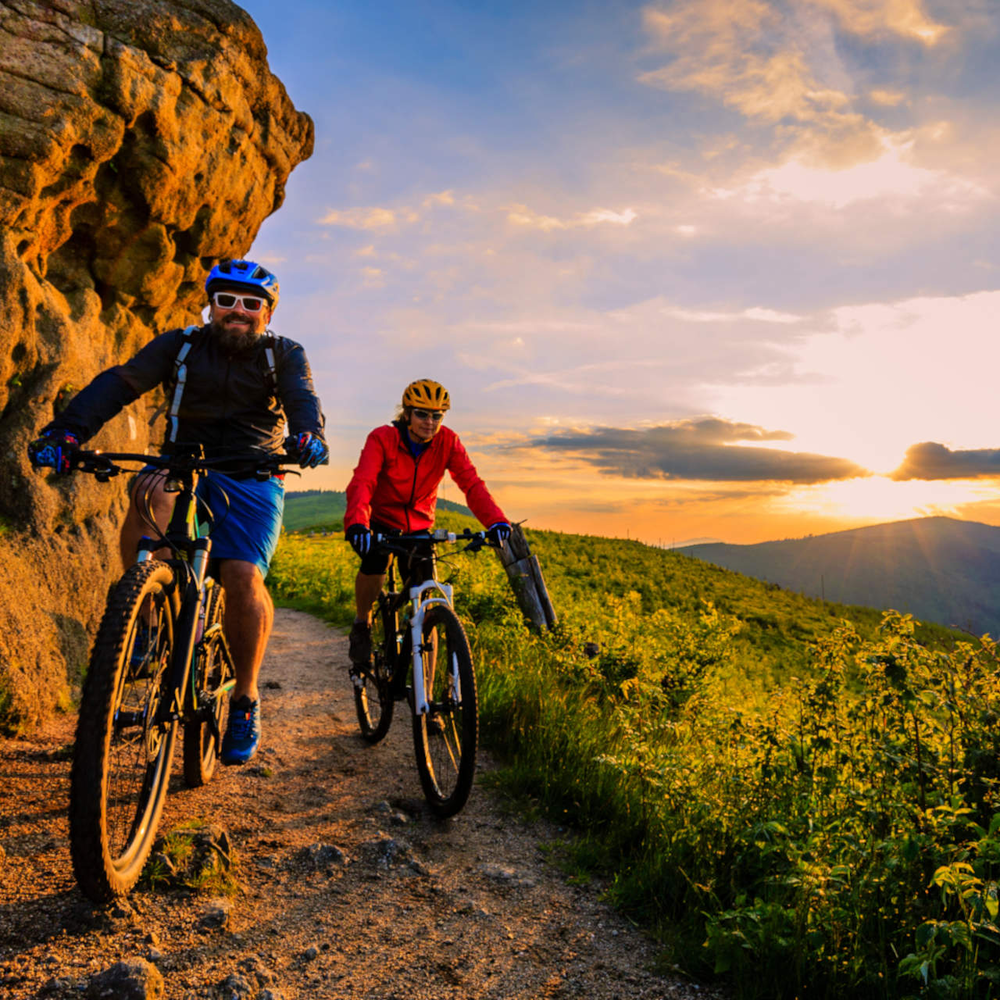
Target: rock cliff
(140,141)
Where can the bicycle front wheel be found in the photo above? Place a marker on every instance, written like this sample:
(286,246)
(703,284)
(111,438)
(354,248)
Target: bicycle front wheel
(373,699)
(213,682)
(445,738)
(123,752)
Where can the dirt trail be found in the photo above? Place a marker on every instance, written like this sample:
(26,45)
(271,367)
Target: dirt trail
(348,887)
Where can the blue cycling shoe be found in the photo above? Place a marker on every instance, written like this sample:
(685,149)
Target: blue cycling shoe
(243,732)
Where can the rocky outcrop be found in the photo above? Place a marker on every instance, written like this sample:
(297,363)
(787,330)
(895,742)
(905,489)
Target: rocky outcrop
(140,141)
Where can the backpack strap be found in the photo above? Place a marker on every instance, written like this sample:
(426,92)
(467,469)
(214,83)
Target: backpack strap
(271,375)
(180,379)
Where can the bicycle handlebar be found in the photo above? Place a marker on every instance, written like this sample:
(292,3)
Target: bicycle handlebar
(104,464)
(406,542)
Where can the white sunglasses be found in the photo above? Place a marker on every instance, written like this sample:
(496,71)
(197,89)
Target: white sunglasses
(248,303)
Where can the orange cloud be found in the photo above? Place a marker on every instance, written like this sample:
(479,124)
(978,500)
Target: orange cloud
(906,18)
(521,215)
(725,48)
(753,58)
(361,218)
(886,98)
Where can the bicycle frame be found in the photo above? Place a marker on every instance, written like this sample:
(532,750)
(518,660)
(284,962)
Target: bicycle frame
(423,596)
(190,539)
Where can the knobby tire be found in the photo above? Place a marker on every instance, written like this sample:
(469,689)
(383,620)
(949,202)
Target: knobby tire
(445,739)
(122,756)
(211,676)
(373,697)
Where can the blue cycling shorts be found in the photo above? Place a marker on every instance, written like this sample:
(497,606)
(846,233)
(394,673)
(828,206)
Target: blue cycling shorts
(249,526)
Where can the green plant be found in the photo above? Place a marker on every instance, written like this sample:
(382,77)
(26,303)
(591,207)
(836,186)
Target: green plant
(782,789)
(193,855)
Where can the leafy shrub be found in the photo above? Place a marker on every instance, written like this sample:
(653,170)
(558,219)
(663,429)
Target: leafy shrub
(801,801)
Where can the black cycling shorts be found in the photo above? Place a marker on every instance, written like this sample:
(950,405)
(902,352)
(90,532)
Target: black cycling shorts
(377,560)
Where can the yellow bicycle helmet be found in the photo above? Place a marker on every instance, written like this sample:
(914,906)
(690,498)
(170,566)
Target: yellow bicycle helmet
(427,395)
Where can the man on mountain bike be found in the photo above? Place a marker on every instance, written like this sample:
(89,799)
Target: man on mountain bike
(231,384)
(394,488)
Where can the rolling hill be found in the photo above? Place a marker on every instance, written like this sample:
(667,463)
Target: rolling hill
(325,508)
(936,568)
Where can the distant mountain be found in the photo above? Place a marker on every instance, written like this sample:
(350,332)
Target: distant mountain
(936,568)
(324,508)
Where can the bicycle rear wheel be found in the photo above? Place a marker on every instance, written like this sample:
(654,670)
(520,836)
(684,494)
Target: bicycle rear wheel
(213,682)
(445,738)
(123,752)
(373,698)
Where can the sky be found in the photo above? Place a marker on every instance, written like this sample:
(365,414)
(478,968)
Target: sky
(701,269)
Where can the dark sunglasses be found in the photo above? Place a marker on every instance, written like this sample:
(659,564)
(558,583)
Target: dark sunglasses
(248,303)
(436,415)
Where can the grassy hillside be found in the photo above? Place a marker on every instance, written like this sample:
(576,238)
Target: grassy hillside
(797,796)
(936,568)
(325,509)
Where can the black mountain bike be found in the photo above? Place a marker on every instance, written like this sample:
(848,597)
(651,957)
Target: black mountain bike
(420,654)
(160,661)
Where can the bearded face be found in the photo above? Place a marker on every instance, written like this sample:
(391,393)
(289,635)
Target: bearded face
(237,329)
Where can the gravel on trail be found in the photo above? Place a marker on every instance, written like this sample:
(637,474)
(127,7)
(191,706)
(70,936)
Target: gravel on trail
(345,885)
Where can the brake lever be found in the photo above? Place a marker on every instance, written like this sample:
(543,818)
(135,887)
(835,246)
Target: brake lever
(102,469)
(266,471)
(475,545)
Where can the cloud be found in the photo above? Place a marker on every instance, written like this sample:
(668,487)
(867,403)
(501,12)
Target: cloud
(374,217)
(931,460)
(374,277)
(362,218)
(531,326)
(891,174)
(905,18)
(599,215)
(755,313)
(589,379)
(780,63)
(441,198)
(377,218)
(737,51)
(521,215)
(700,449)
(886,98)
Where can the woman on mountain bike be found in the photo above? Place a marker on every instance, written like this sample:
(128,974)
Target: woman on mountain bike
(394,488)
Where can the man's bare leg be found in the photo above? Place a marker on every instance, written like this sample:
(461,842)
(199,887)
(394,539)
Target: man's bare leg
(160,504)
(248,622)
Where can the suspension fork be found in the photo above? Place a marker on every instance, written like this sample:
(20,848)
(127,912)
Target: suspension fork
(436,593)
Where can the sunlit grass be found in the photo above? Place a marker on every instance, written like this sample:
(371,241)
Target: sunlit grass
(770,782)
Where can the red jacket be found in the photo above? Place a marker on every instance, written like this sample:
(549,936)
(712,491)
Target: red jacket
(391,486)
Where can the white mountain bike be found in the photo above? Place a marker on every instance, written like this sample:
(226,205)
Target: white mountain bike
(420,654)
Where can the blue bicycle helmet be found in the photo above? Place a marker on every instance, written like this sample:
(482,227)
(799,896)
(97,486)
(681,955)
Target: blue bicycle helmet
(243,274)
